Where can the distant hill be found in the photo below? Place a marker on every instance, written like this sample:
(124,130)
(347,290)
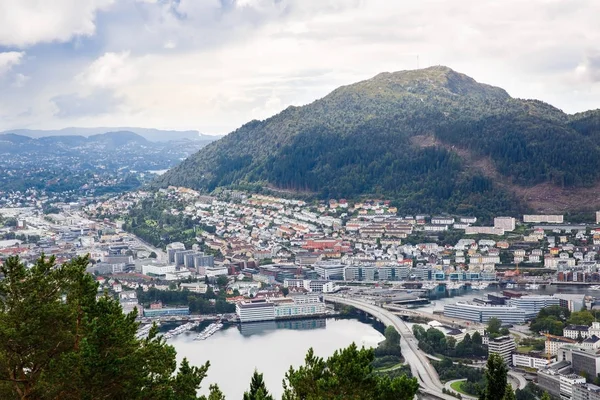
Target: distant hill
(431,139)
(153,135)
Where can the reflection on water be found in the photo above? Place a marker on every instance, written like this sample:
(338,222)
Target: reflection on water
(270,347)
(254,328)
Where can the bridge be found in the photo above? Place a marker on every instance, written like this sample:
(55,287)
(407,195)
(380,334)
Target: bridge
(420,366)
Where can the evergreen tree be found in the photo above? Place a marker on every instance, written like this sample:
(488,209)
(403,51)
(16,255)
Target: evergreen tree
(347,374)
(545,396)
(496,378)
(57,341)
(510,393)
(258,389)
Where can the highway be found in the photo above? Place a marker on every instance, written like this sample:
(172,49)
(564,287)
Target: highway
(420,366)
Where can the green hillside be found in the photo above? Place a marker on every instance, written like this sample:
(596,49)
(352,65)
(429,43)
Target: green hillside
(410,136)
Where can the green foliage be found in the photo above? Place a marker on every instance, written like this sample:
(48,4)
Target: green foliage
(258,389)
(347,374)
(433,341)
(475,383)
(391,345)
(509,394)
(496,374)
(58,341)
(551,319)
(395,135)
(152,221)
(493,326)
(581,318)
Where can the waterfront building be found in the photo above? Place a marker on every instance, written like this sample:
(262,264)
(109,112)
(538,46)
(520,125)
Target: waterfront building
(483,313)
(293,306)
(533,304)
(256,310)
(166,311)
(504,346)
(393,273)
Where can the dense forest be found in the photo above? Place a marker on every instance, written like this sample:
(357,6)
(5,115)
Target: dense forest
(403,136)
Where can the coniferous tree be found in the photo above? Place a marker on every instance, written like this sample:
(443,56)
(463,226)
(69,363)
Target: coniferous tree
(57,341)
(510,393)
(496,378)
(258,389)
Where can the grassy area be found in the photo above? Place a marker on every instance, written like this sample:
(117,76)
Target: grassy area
(524,349)
(457,387)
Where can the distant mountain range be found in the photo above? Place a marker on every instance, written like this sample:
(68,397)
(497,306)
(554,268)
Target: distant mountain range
(433,140)
(153,135)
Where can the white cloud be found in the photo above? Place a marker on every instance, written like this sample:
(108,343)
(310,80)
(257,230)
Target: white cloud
(20,80)
(213,65)
(109,70)
(27,22)
(9,59)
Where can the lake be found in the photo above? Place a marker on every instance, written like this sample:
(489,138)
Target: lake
(270,347)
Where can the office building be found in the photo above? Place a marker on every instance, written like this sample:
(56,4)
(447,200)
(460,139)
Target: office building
(586,391)
(533,304)
(586,361)
(293,306)
(536,361)
(157,269)
(558,380)
(330,270)
(173,248)
(165,312)
(504,346)
(180,256)
(359,273)
(257,310)
(483,313)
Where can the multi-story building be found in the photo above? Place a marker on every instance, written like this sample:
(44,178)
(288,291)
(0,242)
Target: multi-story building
(550,219)
(504,346)
(533,304)
(330,270)
(156,269)
(505,223)
(293,306)
(557,379)
(553,344)
(359,273)
(576,331)
(393,273)
(530,360)
(586,361)
(586,391)
(173,248)
(483,313)
(256,310)
(194,287)
(166,311)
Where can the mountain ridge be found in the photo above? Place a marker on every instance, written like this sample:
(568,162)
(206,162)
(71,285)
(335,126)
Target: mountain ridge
(357,141)
(154,135)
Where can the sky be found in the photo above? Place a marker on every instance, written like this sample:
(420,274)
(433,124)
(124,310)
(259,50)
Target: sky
(212,65)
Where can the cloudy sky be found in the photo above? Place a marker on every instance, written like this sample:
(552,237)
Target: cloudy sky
(212,65)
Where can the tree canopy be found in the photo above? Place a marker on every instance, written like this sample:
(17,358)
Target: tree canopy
(348,375)
(57,341)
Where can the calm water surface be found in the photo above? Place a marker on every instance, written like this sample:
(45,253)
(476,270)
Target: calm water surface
(269,347)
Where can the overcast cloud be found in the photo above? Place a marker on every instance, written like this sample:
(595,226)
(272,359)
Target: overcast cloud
(212,65)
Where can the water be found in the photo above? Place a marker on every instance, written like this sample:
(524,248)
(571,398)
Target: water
(269,347)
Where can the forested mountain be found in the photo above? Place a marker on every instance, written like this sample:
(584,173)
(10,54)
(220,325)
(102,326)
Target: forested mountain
(431,139)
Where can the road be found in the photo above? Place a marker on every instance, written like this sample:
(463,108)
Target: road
(420,366)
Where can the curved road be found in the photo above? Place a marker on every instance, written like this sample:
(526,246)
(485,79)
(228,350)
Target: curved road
(420,366)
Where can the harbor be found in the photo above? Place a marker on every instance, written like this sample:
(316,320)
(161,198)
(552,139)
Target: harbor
(209,331)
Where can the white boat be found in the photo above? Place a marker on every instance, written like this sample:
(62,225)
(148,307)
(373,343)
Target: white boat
(595,287)
(480,285)
(510,285)
(532,286)
(180,329)
(209,331)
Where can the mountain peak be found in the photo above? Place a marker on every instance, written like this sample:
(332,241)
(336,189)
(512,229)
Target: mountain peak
(434,81)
